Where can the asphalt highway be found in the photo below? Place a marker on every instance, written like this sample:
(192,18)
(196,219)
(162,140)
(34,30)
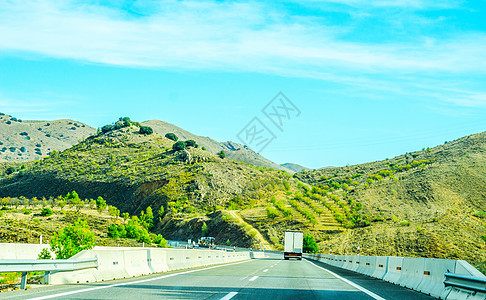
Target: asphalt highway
(269,278)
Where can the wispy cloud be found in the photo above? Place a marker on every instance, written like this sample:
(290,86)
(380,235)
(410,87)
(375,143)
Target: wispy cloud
(232,35)
(236,36)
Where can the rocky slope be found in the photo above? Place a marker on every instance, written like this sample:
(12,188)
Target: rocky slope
(31,140)
(232,150)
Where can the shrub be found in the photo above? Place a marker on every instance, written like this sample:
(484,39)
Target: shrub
(405,223)
(484,237)
(204,229)
(26,212)
(190,143)
(221,154)
(146,130)
(272,213)
(10,170)
(178,146)
(46,211)
(480,214)
(171,136)
(45,254)
(72,239)
(106,128)
(310,245)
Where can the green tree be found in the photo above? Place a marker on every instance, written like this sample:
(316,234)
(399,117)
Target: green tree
(171,136)
(178,146)
(125,216)
(100,204)
(190,143)
(72,239)
(46,211)
(204,229)
(161,212)
(145,130)
(113,211)
(310,245)
(147,218)
(221,154)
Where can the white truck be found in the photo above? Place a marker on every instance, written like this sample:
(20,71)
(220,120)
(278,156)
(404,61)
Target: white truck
(293,245)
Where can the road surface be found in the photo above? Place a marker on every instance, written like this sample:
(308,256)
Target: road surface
(269,278)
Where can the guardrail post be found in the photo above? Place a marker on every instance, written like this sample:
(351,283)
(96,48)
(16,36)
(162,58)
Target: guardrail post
(47,277)
(23,282)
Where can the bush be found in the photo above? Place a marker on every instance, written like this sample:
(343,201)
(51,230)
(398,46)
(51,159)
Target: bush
(106,128)
(26,212)
(145,130)
(171,136)
(44,254)
(272,213)
(204,229)
(484,237)
(178,146)
(310,245)
(10,170)
(46,211)
(72,239)
(404,223)
(480,214)
(221,154)
(191,143)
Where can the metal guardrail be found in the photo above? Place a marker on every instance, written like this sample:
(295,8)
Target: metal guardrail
(45,265)
(467,282)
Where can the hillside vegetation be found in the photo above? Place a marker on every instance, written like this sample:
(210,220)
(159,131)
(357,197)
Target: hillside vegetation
(428,203)
(133,171)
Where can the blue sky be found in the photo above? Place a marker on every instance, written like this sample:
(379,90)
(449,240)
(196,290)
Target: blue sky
(372,78)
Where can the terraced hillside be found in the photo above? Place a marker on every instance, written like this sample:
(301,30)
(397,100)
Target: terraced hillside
(427,203)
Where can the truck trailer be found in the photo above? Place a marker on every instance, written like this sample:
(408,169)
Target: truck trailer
(293,244)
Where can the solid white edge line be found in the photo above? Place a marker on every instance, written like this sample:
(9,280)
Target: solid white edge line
(369,293)
(131,282)
(229,296)
(253,278)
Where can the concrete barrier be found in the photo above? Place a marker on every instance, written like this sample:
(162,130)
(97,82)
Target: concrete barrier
(22,251)
(413,272)
(425,275)
(381,267)
(394,270)
(117,263)
(433,279)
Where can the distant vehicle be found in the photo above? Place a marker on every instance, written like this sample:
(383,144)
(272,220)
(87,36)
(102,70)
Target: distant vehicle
(206,242)
(293,245)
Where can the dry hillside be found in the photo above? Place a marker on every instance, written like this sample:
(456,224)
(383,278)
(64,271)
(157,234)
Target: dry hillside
(31,140)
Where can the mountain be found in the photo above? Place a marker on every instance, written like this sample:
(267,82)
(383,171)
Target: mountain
(31,140)
(133,171)
(294,167)
(428,203)
(232,150)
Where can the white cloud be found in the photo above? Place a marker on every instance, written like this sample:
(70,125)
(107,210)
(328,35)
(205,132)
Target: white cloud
(231,36)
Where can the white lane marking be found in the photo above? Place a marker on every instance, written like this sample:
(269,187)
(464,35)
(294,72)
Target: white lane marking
(131,282)
(271,266)
(371,294)
(266,270)
(253,278)
(229,296)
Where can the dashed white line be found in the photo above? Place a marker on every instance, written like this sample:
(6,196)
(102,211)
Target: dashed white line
(229,296)
(266,270)
(371,294)
(253,278)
